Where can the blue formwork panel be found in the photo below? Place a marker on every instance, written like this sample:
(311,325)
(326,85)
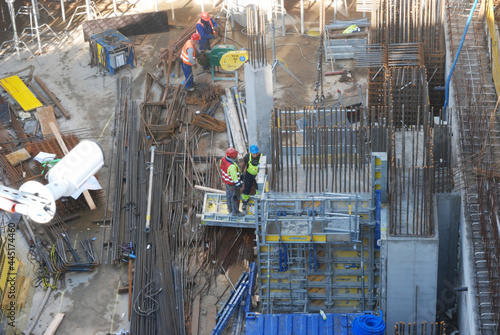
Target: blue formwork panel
(299,324)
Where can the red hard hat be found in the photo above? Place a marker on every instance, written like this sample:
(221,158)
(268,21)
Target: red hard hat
(231,152)
(195,37)
(205,16)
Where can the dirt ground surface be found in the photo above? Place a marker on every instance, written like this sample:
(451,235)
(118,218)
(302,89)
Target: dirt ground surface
(91,302)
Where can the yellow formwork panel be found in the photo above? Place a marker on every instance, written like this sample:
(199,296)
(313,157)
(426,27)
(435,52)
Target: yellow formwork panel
(296,238)
(20,92)
(8,268)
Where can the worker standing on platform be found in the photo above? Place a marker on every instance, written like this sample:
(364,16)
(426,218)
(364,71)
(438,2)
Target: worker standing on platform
(252,162)
(206,27)
(189,61)
(232,178)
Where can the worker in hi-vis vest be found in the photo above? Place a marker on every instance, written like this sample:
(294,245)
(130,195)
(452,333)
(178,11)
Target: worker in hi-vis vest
(252,162)
(232,178)
(188,57)
(206,27)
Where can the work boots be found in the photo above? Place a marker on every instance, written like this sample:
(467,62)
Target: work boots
(244,206)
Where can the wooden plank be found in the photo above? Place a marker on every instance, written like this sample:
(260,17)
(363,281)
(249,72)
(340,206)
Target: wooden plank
(195,320)
(42,97)
(17,126)
(65,150)
(52,97)
(23,292)
(211,314)
(45,115)
(18,156)
(6,139)
(20,92)
(54,324)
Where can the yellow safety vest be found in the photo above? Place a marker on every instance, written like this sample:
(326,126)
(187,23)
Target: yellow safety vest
(253,169)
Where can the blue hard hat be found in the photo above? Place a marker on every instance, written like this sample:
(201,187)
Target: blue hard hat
(254,149)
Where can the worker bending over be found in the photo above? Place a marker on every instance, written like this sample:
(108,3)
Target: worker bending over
(252,162)
(206,27)
(189,60)
(232,178)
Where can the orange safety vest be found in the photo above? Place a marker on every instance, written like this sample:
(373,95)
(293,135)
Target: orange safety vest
(224,166)
(211,24)
(184,54)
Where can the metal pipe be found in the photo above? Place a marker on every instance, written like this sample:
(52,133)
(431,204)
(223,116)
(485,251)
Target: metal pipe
(302,17)
(147,229)
(10,4)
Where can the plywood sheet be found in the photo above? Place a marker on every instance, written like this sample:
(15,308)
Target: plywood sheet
(45,115)
(18,156)
(20,92)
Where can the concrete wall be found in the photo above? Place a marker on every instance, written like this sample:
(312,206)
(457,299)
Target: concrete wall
(259,99)
(467,308)
(448,212)
(411,279)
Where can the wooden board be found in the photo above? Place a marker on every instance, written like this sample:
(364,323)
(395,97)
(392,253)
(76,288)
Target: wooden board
(54,324)
(6,300)
(20,92)
(45,115)
(195,319)
(18,156)
(23,292)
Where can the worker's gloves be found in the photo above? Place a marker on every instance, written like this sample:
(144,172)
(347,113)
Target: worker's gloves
(210,36)
(195,66)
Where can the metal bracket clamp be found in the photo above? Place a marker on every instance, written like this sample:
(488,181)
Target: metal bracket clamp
(36,206)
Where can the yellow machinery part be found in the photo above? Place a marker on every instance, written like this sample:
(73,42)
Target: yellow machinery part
(233,60)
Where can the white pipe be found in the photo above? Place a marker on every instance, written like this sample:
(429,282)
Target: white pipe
(156,5)
(63,11)
(87,8)
(283,17)
(301,17)
(35,11)
(10,3)
(202,5)
(147,229)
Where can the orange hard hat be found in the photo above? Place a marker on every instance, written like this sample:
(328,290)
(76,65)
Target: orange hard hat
(205,16)
(231,153)
(195,37)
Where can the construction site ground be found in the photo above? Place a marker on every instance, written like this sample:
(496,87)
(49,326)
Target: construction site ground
(91,302)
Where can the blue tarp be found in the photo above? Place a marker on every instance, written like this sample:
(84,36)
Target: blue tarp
(299,324)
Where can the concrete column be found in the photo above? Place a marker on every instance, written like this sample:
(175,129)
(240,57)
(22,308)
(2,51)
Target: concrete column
(259,98)
(412,265)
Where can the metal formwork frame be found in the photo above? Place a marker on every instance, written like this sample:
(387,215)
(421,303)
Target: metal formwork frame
(332,276)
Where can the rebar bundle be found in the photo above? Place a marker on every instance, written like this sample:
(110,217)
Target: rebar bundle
(479,131)
(256,31)
(430,328)
(410,33)
(331,150)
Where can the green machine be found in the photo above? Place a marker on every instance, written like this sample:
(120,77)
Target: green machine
(228,58)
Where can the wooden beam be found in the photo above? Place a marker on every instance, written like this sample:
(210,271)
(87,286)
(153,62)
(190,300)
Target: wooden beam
(54,324)
(209,189)
(52,97)
(65,150)
(195,319)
